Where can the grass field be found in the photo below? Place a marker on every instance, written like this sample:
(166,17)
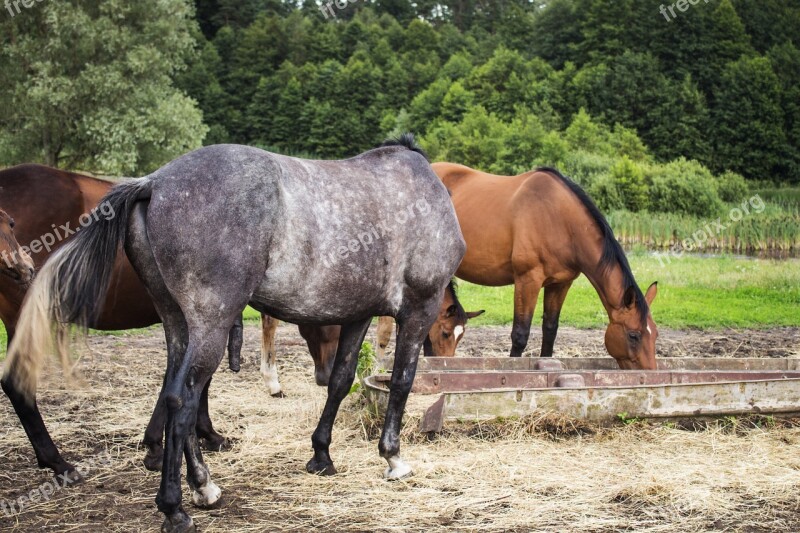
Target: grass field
(693,292)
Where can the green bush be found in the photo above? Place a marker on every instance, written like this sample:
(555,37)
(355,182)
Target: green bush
(629,180)
(605,192)
(585,167)
(684,186)
(732,187)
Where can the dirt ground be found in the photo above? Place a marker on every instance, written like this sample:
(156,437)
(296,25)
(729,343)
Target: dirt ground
(537,474)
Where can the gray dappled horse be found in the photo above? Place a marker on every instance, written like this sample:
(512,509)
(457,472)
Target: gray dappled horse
(229,225)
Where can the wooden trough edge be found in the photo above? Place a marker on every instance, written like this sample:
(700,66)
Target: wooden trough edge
(606,404)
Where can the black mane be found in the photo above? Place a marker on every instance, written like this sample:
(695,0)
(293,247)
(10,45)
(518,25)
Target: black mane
(612,251)
(406,140)
(460,314)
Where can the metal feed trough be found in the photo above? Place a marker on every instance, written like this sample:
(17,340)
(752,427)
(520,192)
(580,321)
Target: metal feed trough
(595,389)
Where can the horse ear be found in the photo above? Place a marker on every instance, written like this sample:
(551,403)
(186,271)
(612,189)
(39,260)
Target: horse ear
(629,298)
(451,311)
(473,314)
(652,292)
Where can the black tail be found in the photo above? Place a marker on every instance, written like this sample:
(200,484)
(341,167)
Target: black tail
(72,285)
(83,272)
(407,140)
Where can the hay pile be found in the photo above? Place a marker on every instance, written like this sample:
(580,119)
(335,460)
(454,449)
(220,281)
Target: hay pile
(541,473)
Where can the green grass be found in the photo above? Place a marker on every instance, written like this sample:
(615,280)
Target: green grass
(693,292)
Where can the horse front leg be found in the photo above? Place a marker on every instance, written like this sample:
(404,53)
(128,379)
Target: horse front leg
(554,296)
(526,292)
(342,376)
(412,330)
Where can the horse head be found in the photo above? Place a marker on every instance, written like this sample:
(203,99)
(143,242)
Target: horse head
(631,337)
(14,260)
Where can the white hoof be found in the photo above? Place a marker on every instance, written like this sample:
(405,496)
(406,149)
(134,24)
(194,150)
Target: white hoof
(398,469)
(208,495)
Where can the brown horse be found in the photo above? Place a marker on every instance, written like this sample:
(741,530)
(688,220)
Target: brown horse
(15,262)
(44,208)
(445,334)
(540,229)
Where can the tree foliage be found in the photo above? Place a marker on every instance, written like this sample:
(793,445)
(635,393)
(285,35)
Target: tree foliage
(92,85)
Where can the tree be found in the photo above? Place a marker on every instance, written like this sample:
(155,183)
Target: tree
(748,119)
(90,85)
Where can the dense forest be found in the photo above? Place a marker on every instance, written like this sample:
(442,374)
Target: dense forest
(648,110)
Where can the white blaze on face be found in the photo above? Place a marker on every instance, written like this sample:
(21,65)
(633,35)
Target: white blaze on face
(649,331)
(458,332)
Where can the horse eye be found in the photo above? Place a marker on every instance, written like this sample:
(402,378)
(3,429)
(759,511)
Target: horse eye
(11,223)
(445,335)
(634,336)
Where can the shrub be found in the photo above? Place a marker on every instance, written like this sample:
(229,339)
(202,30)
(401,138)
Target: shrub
(684,186)
(584,167)
(606,194)
(732,187)
(629,180)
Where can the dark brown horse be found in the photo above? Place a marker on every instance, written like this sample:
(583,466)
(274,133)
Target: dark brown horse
(43,209)
(15,263)
(540,229)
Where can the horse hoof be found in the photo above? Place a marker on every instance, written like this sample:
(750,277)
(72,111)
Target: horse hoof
(68,475)
(208,496)
(180,522)
(320,468)
(220,444)
(279,394)
(397,469)
(235,369)
(154,460)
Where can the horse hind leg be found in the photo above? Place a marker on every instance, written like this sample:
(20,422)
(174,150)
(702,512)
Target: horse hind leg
(412,330)
(269,364)
(554,296)
(47,455)
(182,397)
(206,435)
(342,376)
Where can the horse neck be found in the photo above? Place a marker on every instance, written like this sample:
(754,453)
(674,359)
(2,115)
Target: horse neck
(608,282)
